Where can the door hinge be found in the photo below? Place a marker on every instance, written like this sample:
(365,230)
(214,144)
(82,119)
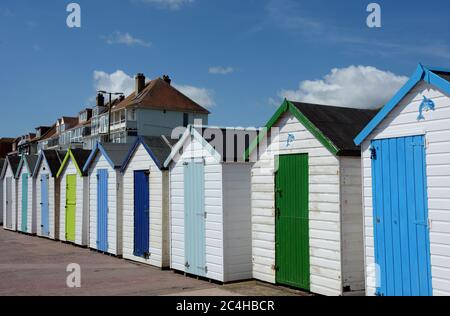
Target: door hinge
(373,153)
(147,255)
(187,265)
(275,267)
(206,269)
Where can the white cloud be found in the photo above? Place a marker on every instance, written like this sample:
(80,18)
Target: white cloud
(125,39)
(117,81)
(354,86)
(221,70)
(170,4)
(202,96)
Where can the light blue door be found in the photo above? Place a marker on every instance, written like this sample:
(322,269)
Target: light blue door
(102,210)
(194,218)
(44,205)
(400,206)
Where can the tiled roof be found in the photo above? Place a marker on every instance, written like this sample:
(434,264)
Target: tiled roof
(160,95)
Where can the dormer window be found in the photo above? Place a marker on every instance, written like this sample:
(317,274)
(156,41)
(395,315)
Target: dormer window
(83,116)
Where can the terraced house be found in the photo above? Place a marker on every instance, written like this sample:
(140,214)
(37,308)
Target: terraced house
(154,108)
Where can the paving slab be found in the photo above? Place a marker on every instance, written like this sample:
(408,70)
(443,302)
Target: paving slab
(35,266)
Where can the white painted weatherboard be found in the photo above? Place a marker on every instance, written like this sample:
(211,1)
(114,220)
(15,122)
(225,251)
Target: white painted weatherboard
(114,205)
(31,210)
(159,249)
(1,202)
(401,122)
(227,240)
(9,174)
(53,203)
(352,224)
(326,231)
(81,216)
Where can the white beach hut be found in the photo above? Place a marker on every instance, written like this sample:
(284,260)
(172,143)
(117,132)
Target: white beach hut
(146,202)
(26,189)
(48,193)
(2,164)
(9,192)
(406,178)
(306,199)
(210,215)
(105,196)
(74,198)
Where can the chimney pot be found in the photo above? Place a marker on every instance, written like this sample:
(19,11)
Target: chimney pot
(100,100)
(140,83)
(167,79)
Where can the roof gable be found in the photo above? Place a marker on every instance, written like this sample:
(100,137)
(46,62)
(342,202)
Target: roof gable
(156,147)
(191,132)
(113,153)
(438,77)
(29,161)
(52,158)
(334,127)
(79,158)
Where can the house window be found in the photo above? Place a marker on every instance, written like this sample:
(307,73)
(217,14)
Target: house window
(62,128)
(122,116)
(131,115)
(185,119)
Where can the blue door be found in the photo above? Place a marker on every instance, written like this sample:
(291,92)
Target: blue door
(194,218)
(45,229)
(102,210)
(141,214)
(400,206)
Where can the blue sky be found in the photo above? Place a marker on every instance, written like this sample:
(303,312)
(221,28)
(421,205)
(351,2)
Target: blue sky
(239,57)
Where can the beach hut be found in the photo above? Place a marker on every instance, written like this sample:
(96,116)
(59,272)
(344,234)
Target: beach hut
(74,198)
(146,202)
(10,192)
(48,193)
(210,215)
(105,196)
(406,178)
(2,164)
(306,199)
(26,189)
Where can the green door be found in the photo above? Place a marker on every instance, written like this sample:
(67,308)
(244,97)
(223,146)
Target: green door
(71,206)
(291,224)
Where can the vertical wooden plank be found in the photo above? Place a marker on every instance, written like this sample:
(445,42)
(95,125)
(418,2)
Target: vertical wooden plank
(141,214)
(194,204)
(44,206)
(24,202)
(71,206)
(401,216)
(102,210)
(292,221)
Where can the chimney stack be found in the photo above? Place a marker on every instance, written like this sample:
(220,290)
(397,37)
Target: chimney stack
(167,79)
(100,100)
(140,83)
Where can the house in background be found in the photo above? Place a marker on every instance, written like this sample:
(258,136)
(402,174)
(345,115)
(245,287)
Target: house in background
(155,108)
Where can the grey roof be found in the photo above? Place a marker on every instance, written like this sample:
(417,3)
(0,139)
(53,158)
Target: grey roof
(443,75)
(159,147)
(116,152)
(14,162)
(31,162)
(339,124)
(81,156)
(54,160)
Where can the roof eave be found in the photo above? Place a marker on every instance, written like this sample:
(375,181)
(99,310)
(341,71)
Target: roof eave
(420,74)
